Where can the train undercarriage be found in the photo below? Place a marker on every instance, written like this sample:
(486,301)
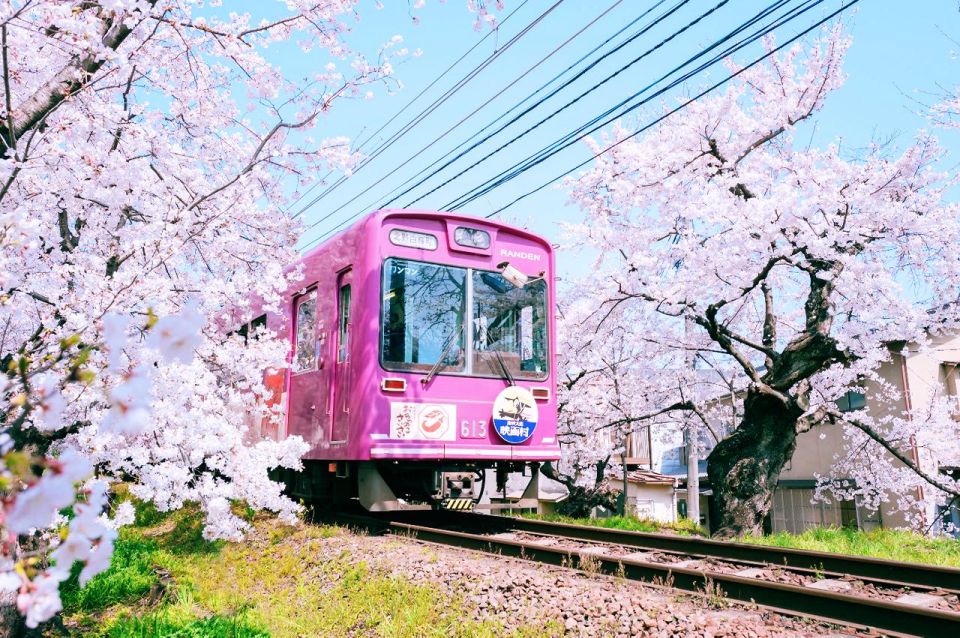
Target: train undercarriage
(380,486)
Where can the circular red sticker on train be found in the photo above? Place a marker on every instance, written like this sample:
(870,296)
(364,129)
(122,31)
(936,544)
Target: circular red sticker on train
(433,422)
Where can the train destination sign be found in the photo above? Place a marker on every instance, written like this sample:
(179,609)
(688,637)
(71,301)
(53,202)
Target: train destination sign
(515,415)
(410,239)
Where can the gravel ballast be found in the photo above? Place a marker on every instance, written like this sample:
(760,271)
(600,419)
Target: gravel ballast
(514,593)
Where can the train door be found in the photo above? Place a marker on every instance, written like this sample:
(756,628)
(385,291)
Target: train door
(341,402)
(306,381)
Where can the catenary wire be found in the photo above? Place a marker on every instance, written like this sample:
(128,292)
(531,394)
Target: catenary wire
(519,104)
(633,37)
(677,109)
(660,119)
(647,52)
(435,105)
(574,136)
(496,95)
(570,103)
(406,106)
(592,65)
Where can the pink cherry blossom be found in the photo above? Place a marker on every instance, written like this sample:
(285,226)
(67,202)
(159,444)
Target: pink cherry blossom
(725,251)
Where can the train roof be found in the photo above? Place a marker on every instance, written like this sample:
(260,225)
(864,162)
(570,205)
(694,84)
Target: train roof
(379,216)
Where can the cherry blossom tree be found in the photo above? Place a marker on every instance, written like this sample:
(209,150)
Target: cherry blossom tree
(150,148)
(616,383)
(788,270)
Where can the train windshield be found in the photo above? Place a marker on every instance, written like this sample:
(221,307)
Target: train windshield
(509,327)
(423,313)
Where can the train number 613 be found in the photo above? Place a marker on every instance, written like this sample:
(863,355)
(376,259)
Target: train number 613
(475,429)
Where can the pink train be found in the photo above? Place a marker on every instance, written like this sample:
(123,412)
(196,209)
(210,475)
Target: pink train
(422,355)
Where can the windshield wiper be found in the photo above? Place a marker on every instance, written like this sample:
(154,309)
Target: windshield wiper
(443,353)
(503,366)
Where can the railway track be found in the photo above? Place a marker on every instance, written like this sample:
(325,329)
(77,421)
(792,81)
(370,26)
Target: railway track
(705,566)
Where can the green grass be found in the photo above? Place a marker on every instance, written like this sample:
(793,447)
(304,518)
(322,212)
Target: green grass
(131,577)
(896,545)
(165,580)
(627,523)
(175,622)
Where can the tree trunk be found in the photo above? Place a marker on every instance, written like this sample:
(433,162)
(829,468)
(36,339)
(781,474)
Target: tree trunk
(744,468)
(581,500)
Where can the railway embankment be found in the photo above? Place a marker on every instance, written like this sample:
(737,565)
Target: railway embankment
(317,580)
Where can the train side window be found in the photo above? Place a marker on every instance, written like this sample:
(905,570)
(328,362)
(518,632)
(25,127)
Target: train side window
(306,354)
(257,326)
(343,339)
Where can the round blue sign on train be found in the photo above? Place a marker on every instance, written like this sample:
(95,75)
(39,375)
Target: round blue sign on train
(515,415)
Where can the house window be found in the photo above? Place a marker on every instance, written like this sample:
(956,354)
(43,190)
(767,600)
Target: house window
(851,401)
(794,511)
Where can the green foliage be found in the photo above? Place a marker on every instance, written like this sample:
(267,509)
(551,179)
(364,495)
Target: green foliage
(130,577)
(174,622)
(284,581)
(899,545)
(147,514)
(627,523)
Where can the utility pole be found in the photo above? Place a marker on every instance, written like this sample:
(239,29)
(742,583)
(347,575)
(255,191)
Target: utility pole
(691,438)
(626,483)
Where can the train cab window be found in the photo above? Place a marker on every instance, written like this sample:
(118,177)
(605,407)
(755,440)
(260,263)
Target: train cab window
(306,352)
(343,349)
(422,316)
(510,327)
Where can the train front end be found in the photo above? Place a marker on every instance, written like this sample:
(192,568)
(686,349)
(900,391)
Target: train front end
(458,341)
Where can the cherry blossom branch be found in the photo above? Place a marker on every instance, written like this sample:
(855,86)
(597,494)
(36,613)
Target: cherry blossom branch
(836,417)
(67,81)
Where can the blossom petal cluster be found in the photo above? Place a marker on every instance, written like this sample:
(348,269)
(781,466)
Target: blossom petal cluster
(735,265)
(148,157)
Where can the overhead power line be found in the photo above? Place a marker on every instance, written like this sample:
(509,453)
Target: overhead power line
(436,103)
(476,110)
(570,103)
(408,105)
(541,156)
(678,108)
(584,130)
(669,12)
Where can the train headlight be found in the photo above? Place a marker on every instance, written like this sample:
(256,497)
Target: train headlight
(472,237)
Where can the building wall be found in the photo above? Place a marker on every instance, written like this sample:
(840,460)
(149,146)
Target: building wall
(924,374)
(655,502)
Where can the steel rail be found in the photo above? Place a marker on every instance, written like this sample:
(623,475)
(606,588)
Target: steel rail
(857,611)
(881,615)
(932,576)
(887,572)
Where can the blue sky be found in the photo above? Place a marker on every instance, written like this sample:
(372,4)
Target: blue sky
(902,53)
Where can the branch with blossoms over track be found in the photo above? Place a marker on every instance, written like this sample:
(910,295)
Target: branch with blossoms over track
(152,149)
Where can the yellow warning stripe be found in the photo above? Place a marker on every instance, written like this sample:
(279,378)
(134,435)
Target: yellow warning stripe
(458,504)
